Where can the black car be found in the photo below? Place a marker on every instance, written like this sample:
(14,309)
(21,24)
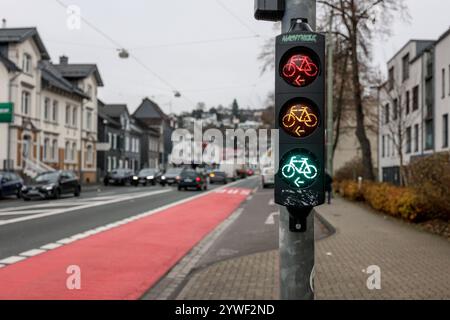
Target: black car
(119,177)
(172,176)
(52,185)
(146,176)
(217,177)
(192,179)
(10,184)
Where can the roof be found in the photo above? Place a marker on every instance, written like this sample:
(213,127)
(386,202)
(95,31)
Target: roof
(102,114)
(18,35)
(144,126)
(149,110)
(425,44)
(11,66)
(115,110)
(80,71)
(53,78)
(443,36)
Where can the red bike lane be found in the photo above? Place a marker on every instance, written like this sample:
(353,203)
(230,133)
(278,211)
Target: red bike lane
(124,262)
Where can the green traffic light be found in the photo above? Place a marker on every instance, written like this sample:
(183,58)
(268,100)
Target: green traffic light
(299,168)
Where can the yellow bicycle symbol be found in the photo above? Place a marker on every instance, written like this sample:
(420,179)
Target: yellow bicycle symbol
(300,116)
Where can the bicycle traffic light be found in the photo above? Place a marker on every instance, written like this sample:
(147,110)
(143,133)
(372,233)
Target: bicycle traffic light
(300,110)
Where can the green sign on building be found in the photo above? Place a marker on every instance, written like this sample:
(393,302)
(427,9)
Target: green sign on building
(6,112)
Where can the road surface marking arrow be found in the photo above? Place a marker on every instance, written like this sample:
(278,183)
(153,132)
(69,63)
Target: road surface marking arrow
(270,219)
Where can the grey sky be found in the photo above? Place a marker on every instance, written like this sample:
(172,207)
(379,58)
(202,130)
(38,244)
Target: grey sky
(215,72)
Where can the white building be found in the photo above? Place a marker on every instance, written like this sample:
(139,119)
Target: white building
(54,114)
(414,105)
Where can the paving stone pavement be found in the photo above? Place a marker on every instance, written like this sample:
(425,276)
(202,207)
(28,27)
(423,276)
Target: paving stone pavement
(413,264)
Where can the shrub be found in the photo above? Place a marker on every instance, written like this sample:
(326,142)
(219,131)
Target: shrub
(395,201)
(430,177)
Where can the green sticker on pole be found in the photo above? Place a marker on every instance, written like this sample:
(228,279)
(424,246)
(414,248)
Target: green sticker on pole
(299,168)
(6,112)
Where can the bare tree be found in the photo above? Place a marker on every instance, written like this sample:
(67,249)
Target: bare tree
(400,126)
(358,22)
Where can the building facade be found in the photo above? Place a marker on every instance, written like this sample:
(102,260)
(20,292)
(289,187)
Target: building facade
(50,125)
(414,106)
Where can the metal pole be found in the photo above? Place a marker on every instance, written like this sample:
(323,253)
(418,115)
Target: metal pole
(297,249)
(330,126)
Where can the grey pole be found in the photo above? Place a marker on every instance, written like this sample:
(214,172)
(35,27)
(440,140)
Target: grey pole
(297,249)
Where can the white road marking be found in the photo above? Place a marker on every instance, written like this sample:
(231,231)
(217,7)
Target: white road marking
(271,218)
(51,246)
(11,260)
(18,212)
(60,243)
(83,206)
(271,202)
(32,253)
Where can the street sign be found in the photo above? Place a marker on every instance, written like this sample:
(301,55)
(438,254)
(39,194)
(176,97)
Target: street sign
(300,109)
(6,112)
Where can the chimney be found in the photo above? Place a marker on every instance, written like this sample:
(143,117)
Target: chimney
(4,23)
(64,60)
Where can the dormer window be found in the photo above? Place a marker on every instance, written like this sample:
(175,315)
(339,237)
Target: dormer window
(26,63)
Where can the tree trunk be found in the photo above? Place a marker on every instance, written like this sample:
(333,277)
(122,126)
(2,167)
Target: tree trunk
(357,95)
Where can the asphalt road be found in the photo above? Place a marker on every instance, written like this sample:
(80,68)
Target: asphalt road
(28,225)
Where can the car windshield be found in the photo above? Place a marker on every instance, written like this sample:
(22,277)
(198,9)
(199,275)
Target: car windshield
(174,171)
(47,177)
(147,172)
(189,174)
(119,172)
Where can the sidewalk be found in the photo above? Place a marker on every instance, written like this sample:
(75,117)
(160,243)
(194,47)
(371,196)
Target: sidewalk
(414,264)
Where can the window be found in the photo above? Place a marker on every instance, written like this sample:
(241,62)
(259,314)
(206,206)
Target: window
(47,109)
(395,115)
(55,150)
(110,139)
(408,140)
(67,151)
(449,80)
(416,98)
(108,166)
(89,120)
(26,102)
(408,98)
(445,131)
(68,114)
(127,143)
(388,145)
(405,67)
(386,113)
(383,146)
(443,83)
(55,111)
(416,138)
(46,149)
(73,151)
(90,155)
(74,116)
(89,90)
(429,138)
(26,63)
(391,78)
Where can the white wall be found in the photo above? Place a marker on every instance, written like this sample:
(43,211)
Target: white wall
(442,104)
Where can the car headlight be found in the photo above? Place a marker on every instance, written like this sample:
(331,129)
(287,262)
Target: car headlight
(163,177)
(24,188)
(135,178)
(49,187)
(150,177)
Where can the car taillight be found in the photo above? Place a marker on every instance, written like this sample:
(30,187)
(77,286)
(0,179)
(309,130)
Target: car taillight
(198,179)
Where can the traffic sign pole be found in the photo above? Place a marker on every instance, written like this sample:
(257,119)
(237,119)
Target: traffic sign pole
(297,248)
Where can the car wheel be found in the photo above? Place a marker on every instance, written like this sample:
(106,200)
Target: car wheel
(153,183)
(206,187)
(179,188)
(19,194)
(77,192)
(26,199)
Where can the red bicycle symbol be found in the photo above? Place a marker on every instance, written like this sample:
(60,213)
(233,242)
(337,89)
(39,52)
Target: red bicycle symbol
(299,69)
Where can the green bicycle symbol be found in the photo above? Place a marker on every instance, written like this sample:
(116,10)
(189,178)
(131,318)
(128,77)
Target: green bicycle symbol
(300,167)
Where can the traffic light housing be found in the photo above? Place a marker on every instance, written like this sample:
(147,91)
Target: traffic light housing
(300,118)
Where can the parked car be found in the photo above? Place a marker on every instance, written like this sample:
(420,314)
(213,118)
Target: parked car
(250,172)
(118,177)
(10,184)
(218,177)
(52,185)
(267,177)
(145,177)
(193,179)
(172,176)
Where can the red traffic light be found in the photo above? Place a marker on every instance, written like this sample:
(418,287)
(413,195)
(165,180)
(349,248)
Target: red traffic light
(299,69)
